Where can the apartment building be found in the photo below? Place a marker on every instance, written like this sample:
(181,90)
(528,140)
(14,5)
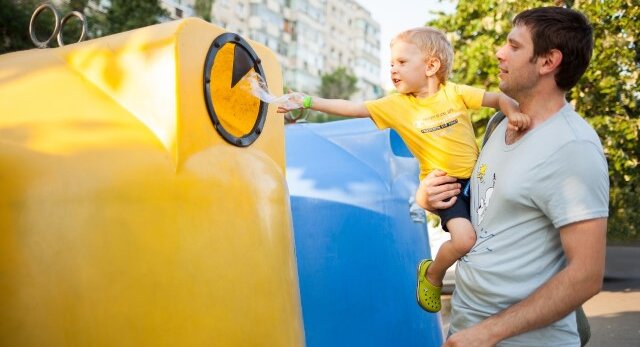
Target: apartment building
(353,40)
(311,38)
(179,8)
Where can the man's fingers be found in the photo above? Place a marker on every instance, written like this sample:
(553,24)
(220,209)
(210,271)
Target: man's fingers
(436,173)
(441,205)
(441,179)
(442,184)
(439,201)
(435,188)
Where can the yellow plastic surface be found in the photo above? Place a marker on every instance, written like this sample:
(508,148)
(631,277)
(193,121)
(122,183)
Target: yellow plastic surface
(125,219)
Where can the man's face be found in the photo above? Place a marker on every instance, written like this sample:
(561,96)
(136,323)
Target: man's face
(407,67)
(518,74)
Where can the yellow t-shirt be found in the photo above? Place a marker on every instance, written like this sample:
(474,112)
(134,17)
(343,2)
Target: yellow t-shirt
(437,129)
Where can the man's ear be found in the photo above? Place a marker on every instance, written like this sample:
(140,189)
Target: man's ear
(432,66)
(550,61)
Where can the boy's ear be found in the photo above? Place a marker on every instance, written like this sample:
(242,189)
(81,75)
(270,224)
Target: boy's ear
(432,65)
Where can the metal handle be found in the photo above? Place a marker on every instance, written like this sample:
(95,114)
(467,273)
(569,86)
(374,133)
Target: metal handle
(32,29)
(58,25)
(83,20)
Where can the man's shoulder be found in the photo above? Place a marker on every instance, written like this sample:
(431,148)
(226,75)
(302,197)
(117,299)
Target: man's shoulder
(573,127)
(568,140)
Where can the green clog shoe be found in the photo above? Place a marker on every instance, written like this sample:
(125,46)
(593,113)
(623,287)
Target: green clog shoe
(427,294)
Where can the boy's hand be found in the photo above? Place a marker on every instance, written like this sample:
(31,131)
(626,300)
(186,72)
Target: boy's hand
(291,101)
(519,121)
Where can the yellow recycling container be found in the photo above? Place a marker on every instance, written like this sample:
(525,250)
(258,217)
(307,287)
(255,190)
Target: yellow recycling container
(143,199)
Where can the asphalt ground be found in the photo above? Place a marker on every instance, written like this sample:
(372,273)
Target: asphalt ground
(614,313)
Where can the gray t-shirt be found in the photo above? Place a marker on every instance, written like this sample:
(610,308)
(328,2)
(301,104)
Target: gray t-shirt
(521,195)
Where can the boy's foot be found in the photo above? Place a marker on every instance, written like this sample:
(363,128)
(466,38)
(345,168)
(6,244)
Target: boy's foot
(427,294)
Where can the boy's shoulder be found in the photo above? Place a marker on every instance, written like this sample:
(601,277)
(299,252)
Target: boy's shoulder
(457,90)
(391,97)
(458,87)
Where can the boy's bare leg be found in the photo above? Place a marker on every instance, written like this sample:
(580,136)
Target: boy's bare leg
(463,237)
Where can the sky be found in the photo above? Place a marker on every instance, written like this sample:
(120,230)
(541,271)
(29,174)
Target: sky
(395,16)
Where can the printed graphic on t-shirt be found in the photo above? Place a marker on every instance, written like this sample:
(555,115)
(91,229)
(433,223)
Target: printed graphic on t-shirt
(481,172)
(484,197)
(438,124)
(482,203)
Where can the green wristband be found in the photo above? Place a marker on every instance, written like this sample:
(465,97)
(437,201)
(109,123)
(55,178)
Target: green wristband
(306,101)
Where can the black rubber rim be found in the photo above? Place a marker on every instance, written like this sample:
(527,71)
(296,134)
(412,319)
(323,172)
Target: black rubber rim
(216,45)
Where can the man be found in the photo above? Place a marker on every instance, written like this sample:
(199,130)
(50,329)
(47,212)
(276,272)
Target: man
(539,198)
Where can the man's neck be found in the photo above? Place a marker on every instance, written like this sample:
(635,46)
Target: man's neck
(541,106)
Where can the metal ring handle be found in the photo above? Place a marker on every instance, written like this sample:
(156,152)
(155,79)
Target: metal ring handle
(83,20)
(32,29)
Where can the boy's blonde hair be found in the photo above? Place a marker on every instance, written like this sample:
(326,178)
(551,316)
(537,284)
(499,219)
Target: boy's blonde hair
(433,43)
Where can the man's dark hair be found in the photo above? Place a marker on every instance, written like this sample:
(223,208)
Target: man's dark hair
(563,29)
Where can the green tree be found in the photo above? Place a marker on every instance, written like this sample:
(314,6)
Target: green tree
(607,95)
(202,9)
(126,15)
(339,84)
(14,25)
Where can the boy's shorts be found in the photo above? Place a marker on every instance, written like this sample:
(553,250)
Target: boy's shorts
(460,209)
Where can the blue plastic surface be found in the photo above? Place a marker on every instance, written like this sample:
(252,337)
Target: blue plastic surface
(356,245)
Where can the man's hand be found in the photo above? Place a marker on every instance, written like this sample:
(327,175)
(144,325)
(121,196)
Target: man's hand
(472,337)
(435,188)
(519,121)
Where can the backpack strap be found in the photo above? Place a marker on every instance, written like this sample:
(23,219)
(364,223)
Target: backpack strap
(491,126)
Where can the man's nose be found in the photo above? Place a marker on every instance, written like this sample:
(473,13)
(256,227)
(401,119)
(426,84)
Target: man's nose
(500,53)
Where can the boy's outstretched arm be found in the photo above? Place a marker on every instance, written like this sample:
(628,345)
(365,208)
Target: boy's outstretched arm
(517,121)
(339,107)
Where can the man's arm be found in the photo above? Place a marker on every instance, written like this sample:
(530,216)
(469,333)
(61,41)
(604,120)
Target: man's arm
(584,246)
(339,107)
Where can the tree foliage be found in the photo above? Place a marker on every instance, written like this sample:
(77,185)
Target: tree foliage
(339,84)
(202,8)
(607,95)
(125,15)
(14,25)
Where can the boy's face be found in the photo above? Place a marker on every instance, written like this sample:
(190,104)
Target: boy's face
(408,68)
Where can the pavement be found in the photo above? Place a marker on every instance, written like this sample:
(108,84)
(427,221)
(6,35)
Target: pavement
(614,313)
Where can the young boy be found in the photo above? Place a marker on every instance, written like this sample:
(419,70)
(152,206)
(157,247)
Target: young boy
(430,114)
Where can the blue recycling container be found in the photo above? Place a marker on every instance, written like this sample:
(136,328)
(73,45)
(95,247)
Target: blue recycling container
(358,235)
